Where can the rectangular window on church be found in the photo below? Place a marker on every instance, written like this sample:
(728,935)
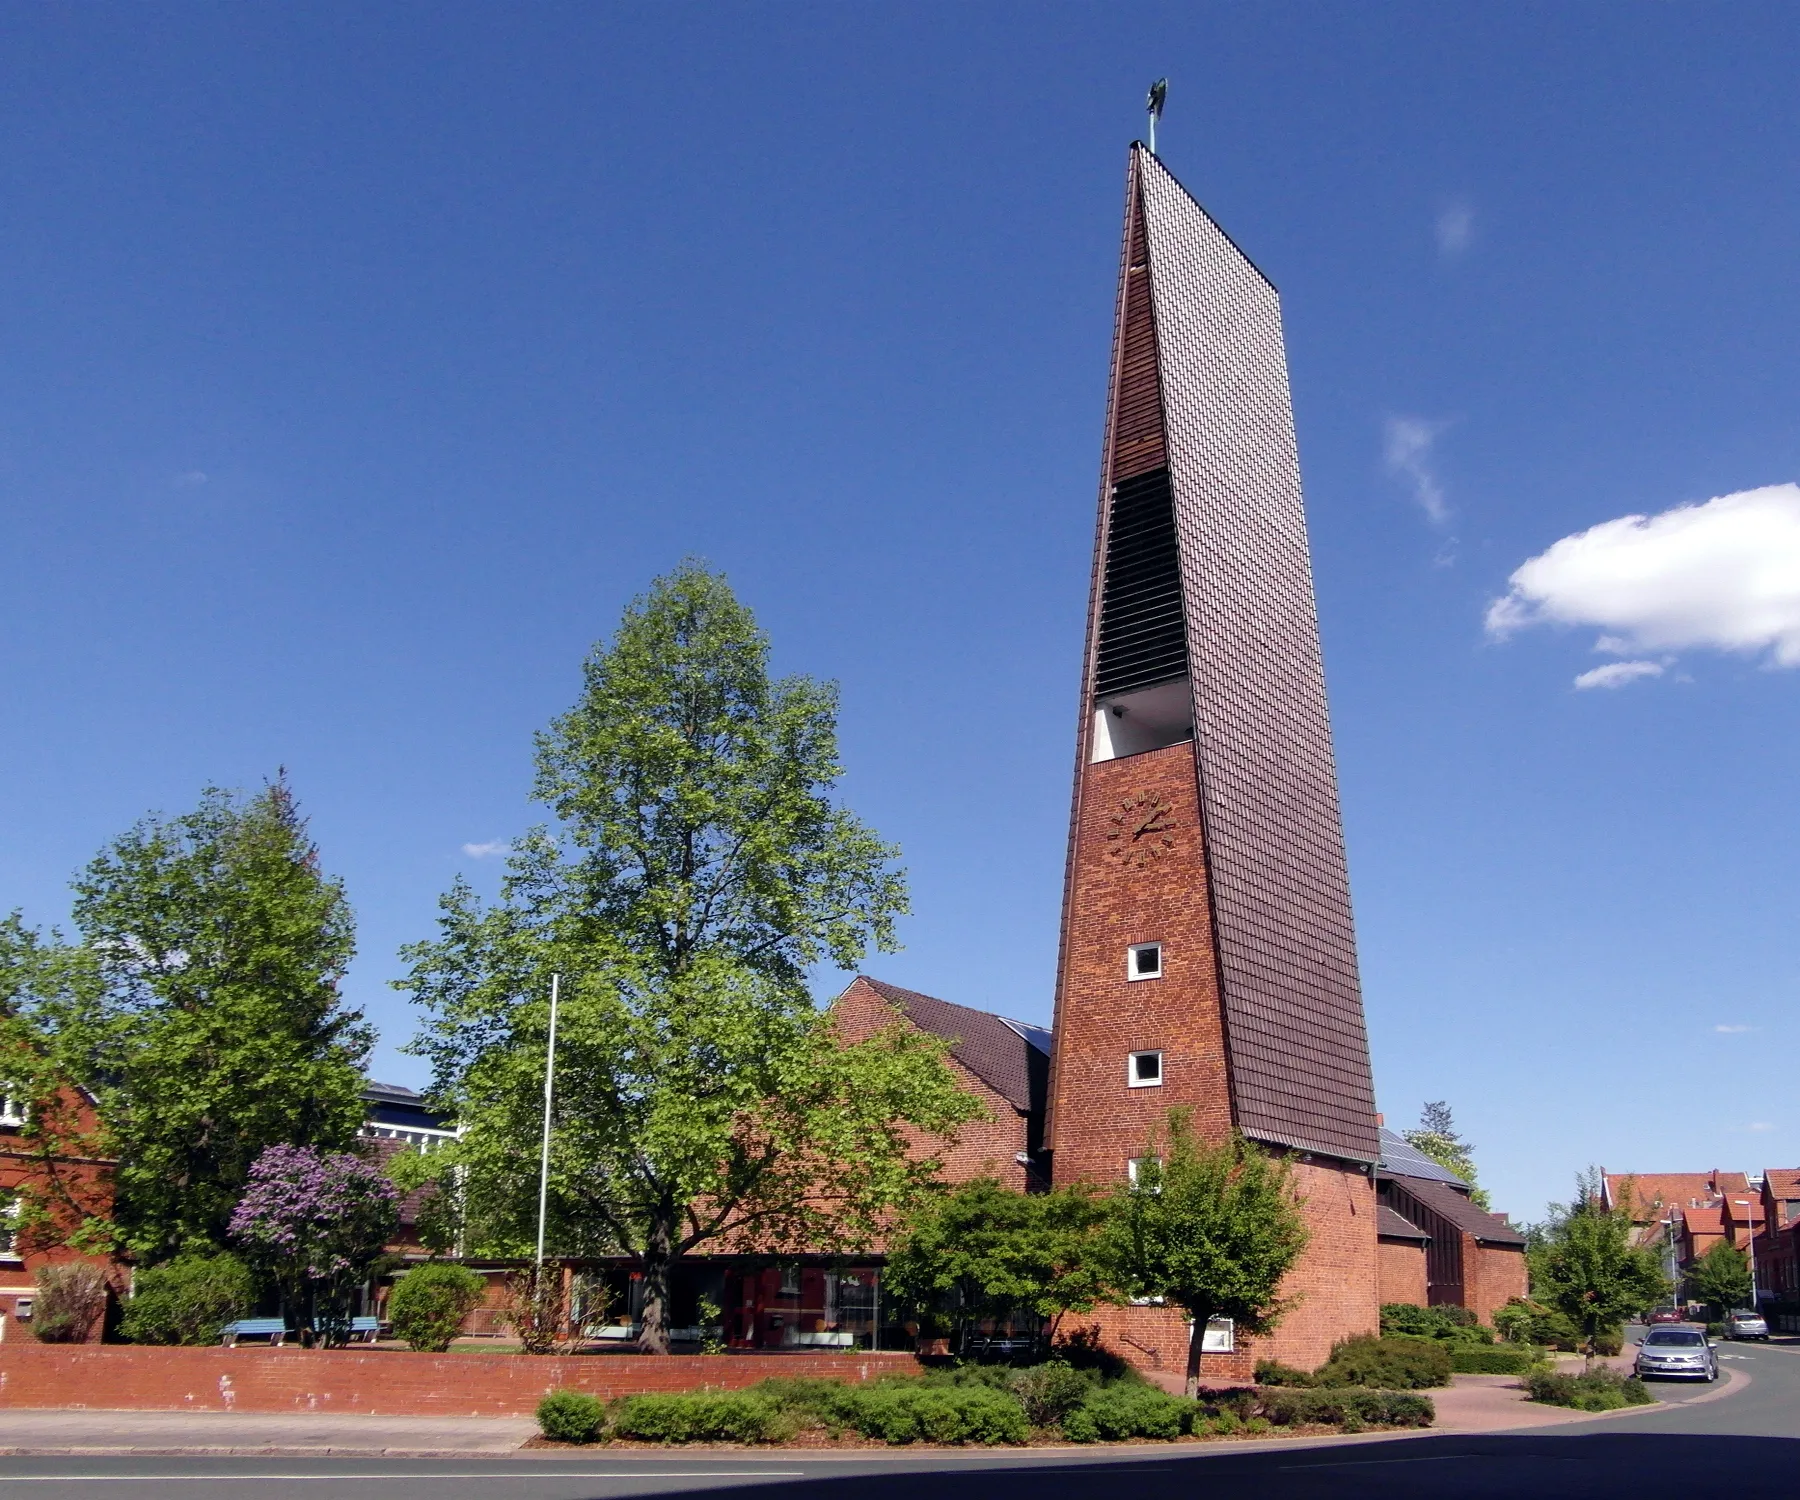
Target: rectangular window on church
(1146,1070)
(1144,961)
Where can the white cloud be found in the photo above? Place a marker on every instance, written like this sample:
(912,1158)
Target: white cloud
(1615,674)
(1407,448)
(1734,1030)
(1724,575)
(487,851)
(1760,1126)
(189,479)
(1455,228)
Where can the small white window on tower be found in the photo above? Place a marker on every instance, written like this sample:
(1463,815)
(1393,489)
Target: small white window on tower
(12,1111)
(1144,961)
(1146,1071)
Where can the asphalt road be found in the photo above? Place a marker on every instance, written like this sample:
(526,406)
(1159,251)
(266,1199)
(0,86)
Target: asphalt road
(1742,1445)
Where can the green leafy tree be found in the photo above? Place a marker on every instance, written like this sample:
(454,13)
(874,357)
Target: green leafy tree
(428,1304)
(209,1021)
(1721,1278)
(1584,1265)
(697,868)
(1211,1228)
(62,1192)
(984,1251)
(1436,1138)
(188,1300)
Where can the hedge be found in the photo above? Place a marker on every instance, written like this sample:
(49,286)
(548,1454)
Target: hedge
(701,1417)
(1348,1406)
(1499,1359)
(1389,1364)
(1116,1412)
(1597,1390)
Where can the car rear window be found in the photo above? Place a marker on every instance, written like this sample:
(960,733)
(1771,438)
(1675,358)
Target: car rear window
(1684,1337)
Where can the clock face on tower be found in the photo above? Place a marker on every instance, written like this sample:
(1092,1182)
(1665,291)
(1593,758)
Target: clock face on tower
(1142,830)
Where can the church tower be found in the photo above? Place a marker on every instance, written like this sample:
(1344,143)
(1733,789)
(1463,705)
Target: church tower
(1208,959)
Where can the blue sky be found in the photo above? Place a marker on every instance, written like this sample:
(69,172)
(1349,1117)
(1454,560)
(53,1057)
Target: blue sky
(359,364)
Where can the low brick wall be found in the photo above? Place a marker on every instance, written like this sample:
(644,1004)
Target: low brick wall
(117,1377)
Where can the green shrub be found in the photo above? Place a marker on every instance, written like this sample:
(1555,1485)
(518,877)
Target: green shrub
(1348,1406)
(188,1300)
(1115,1412)
(1274,1372)
(1609,1341)
(1451,1324)
(701,1417)
(1394,1364)
(1501,1359)
(1523,1321)
(428,1304)
(570,1417)
(898,1411)
(1597,1390)
(69,1304)
(1049,1392)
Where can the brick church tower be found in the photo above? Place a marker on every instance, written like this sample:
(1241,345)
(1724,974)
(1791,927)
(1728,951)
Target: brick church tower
(1208,958)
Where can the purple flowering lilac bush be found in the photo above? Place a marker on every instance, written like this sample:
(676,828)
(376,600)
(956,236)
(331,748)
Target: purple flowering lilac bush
(316,1222)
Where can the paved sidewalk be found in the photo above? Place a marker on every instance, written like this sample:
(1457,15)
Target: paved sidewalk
(255,1432)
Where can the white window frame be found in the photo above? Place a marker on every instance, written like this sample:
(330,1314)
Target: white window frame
(12,1111)
(1131,1166)
(1131,961)
(1131,1069)
(9,1227)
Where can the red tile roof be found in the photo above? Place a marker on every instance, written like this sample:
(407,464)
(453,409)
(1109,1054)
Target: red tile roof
(995,1050)
(1703,1220)
(1651,1190)
(1389,1225)
(1783,1182)
(1746,1208)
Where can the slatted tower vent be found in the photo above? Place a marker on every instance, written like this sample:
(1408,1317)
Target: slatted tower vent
(1143,637)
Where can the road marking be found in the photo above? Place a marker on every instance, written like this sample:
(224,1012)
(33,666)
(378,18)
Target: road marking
(544,1478)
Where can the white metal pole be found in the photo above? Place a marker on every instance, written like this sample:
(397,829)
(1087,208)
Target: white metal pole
(549,1085)
(1750,1215)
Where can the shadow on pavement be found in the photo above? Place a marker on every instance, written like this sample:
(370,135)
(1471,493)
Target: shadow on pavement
(1526,1467)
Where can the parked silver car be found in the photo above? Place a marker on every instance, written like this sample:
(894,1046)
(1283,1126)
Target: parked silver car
(1676,1353)
(1743,1324)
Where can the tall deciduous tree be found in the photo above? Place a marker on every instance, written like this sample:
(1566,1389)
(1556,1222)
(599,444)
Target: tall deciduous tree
(1211,1228)
(212,1026)
(985,1251)
(1721,1278)
(1584,1264)
(697,868)
(1436,1137)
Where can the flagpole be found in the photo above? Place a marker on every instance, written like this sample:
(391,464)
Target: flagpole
(549,1083)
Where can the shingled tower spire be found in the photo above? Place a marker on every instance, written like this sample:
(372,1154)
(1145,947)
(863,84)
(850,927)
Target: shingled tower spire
(1208,958)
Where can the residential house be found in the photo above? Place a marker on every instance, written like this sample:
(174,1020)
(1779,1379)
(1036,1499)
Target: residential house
(52,1162)
(1468,1256)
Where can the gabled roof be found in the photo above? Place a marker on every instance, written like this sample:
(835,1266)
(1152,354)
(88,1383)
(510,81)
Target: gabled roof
(1742,1208)
(1449,1204)
(1390,1225)
(1703,1220)
(1401,1160)
(1010,1057)
(1653,1191)
(1782,1182)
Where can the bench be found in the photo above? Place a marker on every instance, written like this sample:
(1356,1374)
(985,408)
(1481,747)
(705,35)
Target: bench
(272,1329)
(365,1329)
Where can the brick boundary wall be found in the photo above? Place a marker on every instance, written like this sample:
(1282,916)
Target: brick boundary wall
(379,1381)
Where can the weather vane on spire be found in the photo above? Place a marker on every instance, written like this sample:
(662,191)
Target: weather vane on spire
(1159,91)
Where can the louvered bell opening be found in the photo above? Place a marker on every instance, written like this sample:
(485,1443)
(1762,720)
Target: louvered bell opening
(1141,695)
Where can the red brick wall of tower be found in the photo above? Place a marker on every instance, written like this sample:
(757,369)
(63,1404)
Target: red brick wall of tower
(1101,1122)
(1119,898)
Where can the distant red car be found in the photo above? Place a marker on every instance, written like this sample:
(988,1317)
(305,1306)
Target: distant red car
(1667,1315)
